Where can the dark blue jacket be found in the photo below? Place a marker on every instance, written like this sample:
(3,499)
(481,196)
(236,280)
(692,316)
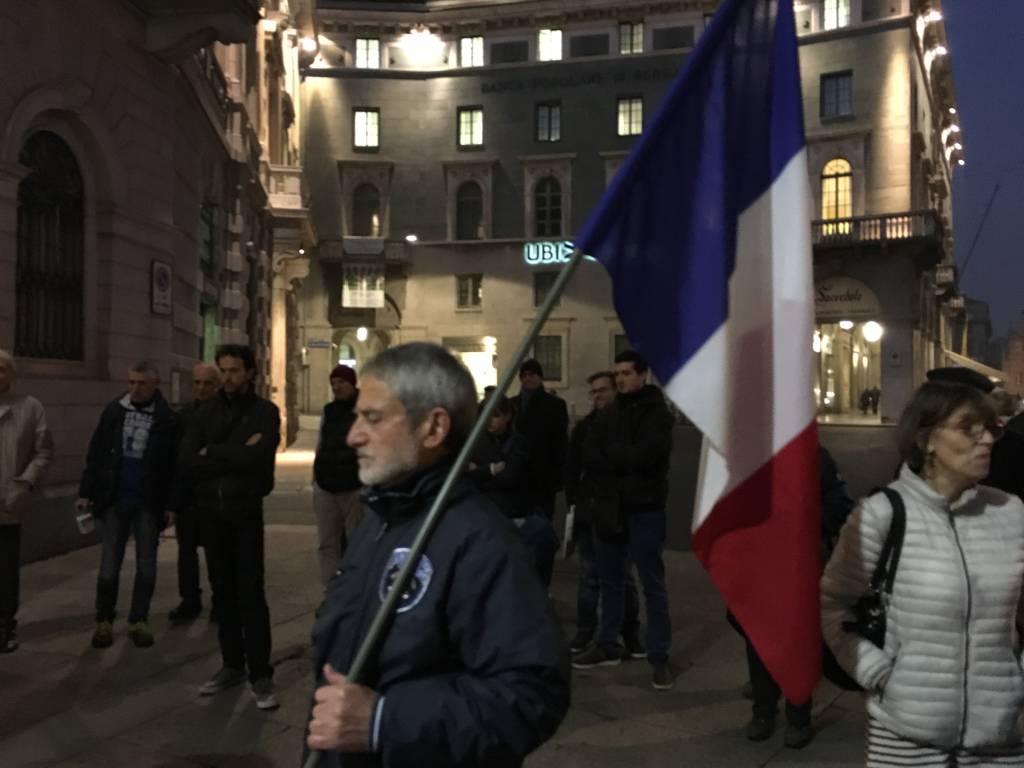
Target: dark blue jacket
(474,670)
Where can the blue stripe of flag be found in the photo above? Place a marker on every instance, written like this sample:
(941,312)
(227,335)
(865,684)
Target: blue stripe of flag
(666,227)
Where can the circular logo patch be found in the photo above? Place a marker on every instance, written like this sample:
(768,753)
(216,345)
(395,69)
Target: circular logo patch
(418,584)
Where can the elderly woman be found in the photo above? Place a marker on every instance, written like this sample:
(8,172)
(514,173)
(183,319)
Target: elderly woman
(947,688)
(25,448)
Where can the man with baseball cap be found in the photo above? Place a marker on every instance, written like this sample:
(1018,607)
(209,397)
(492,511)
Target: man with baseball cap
(336,472)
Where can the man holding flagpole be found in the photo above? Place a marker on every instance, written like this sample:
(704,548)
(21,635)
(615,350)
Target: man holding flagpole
(705,232)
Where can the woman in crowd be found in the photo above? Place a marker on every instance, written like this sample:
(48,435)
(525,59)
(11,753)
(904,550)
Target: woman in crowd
(947,687)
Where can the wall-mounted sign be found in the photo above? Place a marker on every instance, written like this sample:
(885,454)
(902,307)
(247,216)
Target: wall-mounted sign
(161,288)
(546,252)
(363,286)
(945,275)
(843,298)
(318,344)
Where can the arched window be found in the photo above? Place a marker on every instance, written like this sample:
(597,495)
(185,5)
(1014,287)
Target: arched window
(469,212)
(51,236)
(836,197)
(547,207)
(366,211)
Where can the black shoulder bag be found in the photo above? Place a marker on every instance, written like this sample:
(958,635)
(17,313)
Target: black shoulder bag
(870,609)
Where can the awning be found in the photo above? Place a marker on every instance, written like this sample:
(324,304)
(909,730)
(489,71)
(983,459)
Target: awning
(952,358)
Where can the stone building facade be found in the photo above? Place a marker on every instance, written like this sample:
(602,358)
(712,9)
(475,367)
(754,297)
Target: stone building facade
(147,162)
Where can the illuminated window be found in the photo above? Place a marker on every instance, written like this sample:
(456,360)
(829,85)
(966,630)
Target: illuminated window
(547,206)
(469,211)
(836,197)
(631,38)
(837,94)
(549,122)
(631,116)
(367,53)
(549,45)
(366,211)
(469,291)
(366,129)
(471,51)
(837,14)
(471,127)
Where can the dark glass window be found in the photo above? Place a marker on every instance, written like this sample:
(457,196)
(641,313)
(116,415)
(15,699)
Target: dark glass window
(547,350)
(549,122)
(469,292)
(547,206)
(469,212)
(543,282)
(668,38)
(366,211)
(837,94)
(49,290)
(588,45)
(510,52)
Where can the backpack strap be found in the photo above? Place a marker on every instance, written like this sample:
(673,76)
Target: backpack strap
(888,562)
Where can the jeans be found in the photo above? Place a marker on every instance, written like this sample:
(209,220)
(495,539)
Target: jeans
(118,523)
(644,541)
(337,515)
(186,529)
(234,551)
(10,565)
(588,591)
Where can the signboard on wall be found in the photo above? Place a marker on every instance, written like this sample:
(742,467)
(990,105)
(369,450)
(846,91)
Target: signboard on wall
(843,298)
(363,286)
(161,287)
(546,252)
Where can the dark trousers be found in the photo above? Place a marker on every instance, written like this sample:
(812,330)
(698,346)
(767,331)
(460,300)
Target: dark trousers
(767,692)
(542,544)
(644,541)
(545,502)
(118,523)
(588,591)
(234,552)
(186,528)
(10,565)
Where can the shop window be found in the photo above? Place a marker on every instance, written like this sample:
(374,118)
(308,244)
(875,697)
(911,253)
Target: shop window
(549,45)
(549,121)
(471,51)
(547,350)
(366,211)
(49,289)
(631,38)
(836,198)
(543,282)
(367,53)
(469,292)
(469,211)
(837,14)
(471,126)
(366,129)
(547,206)
(837,95)
(630,116)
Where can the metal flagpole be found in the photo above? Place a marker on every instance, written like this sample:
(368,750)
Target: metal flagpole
(382,620)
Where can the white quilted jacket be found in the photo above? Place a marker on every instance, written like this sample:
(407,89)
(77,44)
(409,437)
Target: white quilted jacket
(950,674)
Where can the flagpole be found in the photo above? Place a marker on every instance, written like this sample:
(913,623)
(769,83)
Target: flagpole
(382,620)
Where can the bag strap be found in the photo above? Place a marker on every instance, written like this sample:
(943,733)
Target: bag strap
(885,569)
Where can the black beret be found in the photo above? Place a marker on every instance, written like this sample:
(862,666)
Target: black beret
(959,375)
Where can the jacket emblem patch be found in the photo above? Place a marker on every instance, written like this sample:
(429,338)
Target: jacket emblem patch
(417,584)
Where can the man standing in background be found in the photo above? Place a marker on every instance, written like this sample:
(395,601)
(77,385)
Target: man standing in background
(543,420)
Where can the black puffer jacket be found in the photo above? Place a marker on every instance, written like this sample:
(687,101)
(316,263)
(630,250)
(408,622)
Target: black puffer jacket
(474,671)
(99,481)
(229,477)
(335,467)
(630,441)
(507,489)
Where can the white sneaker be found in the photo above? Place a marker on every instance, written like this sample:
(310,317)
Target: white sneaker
(224,679)
(263,692)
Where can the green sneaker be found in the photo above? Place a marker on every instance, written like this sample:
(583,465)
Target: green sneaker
(103,637)
(140,634)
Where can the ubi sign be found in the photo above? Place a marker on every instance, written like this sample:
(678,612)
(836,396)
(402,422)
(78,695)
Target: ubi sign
(547,252)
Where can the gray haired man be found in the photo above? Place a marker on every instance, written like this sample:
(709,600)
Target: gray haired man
(127,478)
(25,450)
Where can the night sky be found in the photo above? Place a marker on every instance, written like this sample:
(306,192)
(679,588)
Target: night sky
(986,42)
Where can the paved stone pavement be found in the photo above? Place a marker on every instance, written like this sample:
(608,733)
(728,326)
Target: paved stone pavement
(63,703)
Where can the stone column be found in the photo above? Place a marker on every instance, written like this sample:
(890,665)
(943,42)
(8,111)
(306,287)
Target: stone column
(289,271)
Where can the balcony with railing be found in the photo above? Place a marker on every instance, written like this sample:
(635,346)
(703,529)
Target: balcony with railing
(884,231)
(217,83)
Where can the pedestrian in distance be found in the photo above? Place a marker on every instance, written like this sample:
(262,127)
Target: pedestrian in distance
(228,456)
(205,385)
(627,449)
(543,419)
(473,671)
(129,471)
(585,492)
(946,687)
(26,448)
(336,501)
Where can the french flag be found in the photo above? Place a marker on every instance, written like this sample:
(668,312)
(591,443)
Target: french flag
(705,232)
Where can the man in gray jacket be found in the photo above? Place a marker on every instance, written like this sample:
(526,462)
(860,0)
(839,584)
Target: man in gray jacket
(25,450)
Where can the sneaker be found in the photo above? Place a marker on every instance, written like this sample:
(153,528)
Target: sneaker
(596,656)
(797,736)
(662,678)
(580,642)
(8,640)
(224,679)
(141,634)
(103,637)
(186,611)
(760,728)
(634,648)
(263,692)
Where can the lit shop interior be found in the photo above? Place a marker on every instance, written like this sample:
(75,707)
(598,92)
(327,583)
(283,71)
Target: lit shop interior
(847,378)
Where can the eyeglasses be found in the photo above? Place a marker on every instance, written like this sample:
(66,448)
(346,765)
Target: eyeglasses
(977,430)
